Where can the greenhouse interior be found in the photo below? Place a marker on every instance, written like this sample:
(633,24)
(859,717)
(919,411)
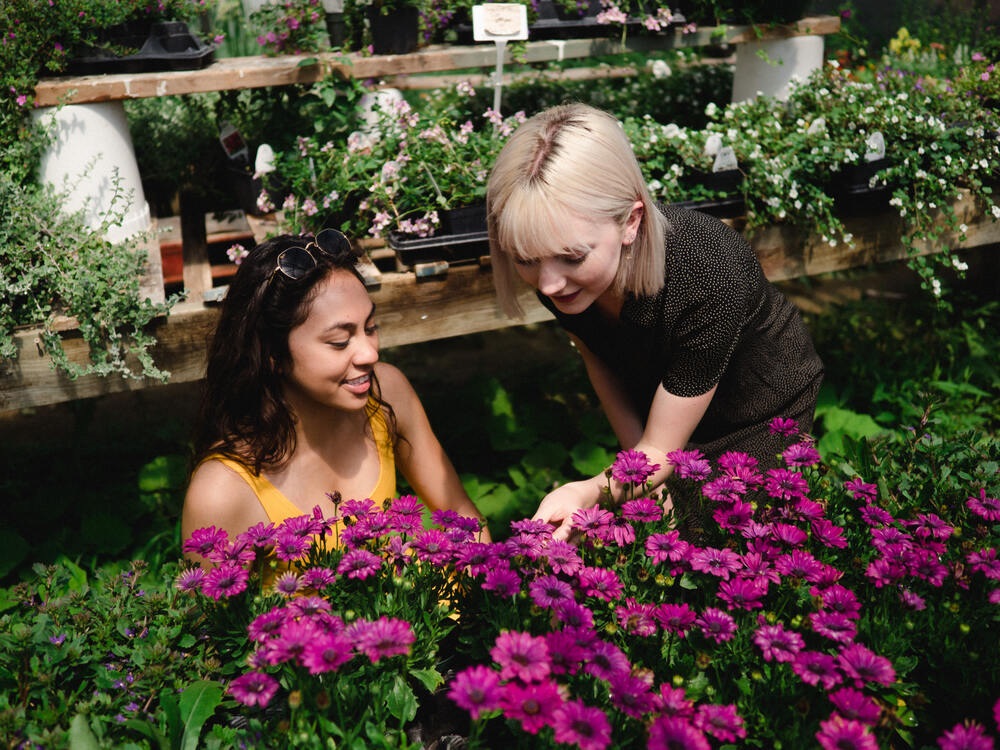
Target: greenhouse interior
(667,334)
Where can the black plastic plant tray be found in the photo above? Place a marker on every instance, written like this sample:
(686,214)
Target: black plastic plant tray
(167,48)
(451,248)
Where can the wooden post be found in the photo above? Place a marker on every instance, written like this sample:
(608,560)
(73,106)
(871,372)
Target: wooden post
(194,236)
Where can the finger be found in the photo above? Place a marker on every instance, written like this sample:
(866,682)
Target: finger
(562,531)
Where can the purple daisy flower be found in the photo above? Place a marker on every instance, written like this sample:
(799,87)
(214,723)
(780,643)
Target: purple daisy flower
(261,535)
(861,490)
(716,625)
(828,533)
(911,600)
(359,564)
(722,722)
(987,508)
(289,546)
(636,618)
(253,688)
(758,568)
(190,579)
(586,727)
(742,593)
(327,652)
(631,694)
(837,598)
(205,541)
(690,464)
(381,639)
(783,426)
(288,583)
(801,454)
(619,532)
(966,736)
(784,484)
(675,618)
(565,652)
(547,591)
(789,534)
(502,581)
(476,689)
(601,583)
(733,516)
(563,557)
(267,625)
(853,704)
(873,515)
(833,625)
(225,580)
(356,508)
(778,644)
(724,489)
(522,656)
(632,468)
(838,733)
(670,732)
(863,665)
(573,615)
(475,558)
(667,546)
(714,561)
(674,702)
(318,578)
(407,514)
(642,510)
(433,546)
(798,564)
(605,660)
(816,668)
(534,704)
(593,522)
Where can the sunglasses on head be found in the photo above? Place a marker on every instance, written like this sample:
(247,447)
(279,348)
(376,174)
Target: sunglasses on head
(295,262)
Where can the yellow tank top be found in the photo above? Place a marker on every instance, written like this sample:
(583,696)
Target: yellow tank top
(278,507)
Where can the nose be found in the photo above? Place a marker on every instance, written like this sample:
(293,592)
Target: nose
(367,351)
(550,279)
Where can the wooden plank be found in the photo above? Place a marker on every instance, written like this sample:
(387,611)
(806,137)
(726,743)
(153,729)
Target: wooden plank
(459,302)
(283,70)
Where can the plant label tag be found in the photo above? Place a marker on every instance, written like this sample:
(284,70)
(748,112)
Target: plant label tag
(725,160)
(875,146)
(499,21)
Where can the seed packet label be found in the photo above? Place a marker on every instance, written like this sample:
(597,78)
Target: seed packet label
(725,160)
(875,145)
(499,21)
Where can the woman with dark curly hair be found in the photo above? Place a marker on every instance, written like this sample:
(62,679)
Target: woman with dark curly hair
(297,409)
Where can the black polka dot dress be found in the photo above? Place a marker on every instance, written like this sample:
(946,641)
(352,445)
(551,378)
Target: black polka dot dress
(716,320)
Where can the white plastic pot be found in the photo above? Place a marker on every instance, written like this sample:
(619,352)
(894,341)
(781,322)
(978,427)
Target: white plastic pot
(768,67)
(92,146)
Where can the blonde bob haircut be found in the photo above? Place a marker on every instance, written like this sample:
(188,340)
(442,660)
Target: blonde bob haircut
(569,159)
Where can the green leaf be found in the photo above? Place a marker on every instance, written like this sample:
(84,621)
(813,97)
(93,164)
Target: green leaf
(198,702)
(81,736)
(402,703)
(591,459)
(162,474)
(148,730)
(429,678)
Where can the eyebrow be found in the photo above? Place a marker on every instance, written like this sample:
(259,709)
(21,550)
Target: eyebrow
(350,327)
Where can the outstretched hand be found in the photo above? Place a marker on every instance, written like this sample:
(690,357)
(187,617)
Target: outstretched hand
(557,508)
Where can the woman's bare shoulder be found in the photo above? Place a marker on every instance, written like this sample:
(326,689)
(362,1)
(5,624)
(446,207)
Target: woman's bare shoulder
(218,496)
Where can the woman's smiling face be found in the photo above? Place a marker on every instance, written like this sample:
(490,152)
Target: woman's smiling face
(334,351)
(584,271)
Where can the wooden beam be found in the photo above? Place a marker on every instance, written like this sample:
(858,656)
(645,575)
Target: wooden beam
(260,71)
(460,302)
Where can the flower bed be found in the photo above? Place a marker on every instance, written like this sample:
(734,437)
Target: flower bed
(797,607)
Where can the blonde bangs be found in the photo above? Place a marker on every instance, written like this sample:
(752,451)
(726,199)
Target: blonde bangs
(533,225)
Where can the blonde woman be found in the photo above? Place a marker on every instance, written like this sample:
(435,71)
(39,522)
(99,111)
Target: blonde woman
(685,342)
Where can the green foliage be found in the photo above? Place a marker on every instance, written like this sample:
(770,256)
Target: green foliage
(98,660)
(53,265)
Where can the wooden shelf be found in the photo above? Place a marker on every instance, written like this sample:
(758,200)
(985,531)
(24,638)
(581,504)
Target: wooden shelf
(460,302)
(261,71)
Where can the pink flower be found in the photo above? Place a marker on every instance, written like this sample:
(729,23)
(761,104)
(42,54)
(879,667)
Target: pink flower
(777,643)
(863,665)
(968,736)
(632,468)
(383,638)
(586,727)
(534,705)
(521,656)
(722,722)
(476,689)
(838,733)
(254,688)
